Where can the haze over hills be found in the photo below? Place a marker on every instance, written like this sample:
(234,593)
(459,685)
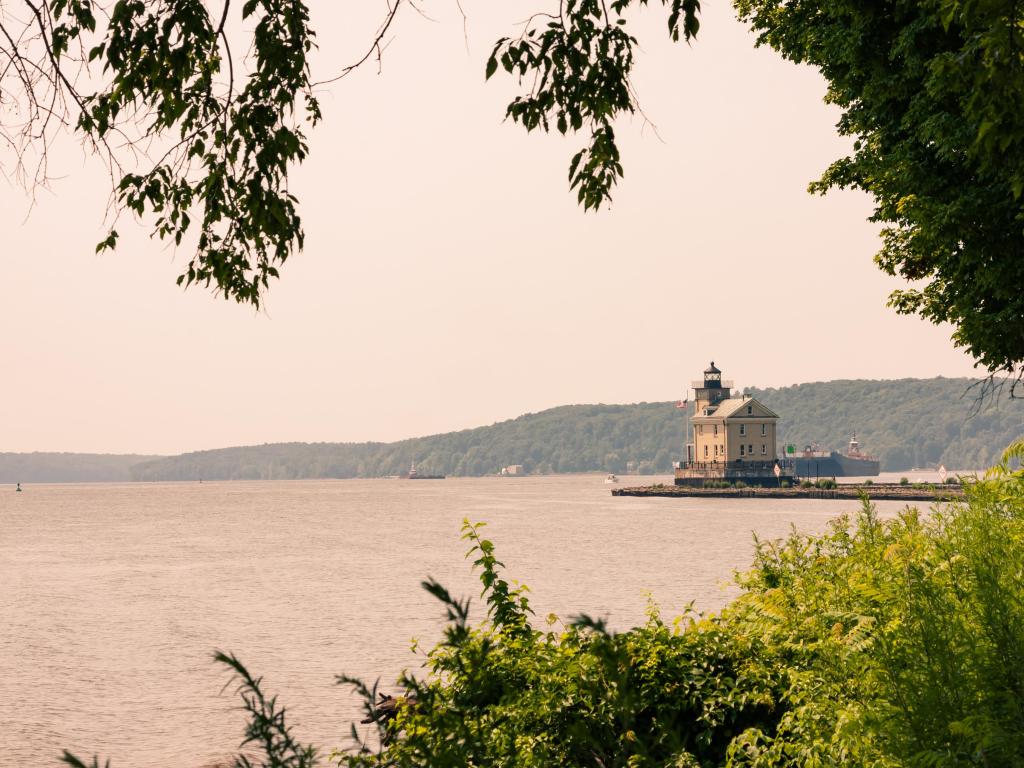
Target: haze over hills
(905,423)
(68,467)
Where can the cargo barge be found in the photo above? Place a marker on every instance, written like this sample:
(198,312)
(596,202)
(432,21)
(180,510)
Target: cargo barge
(814,462)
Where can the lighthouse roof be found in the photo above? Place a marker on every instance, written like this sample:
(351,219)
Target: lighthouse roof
(736,407)
(711,369)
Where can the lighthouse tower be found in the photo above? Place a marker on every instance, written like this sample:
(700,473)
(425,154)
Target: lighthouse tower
(711,391)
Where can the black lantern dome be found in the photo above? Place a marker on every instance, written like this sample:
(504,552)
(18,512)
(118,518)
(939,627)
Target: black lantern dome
(712,377)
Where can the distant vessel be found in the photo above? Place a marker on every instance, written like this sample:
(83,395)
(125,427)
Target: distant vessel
(415,475)
(18,489)
(815,462)
(611,479)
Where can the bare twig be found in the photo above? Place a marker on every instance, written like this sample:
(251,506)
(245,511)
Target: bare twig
(375,46)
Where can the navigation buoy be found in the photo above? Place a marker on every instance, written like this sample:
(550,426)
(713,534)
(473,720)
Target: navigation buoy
(18,489)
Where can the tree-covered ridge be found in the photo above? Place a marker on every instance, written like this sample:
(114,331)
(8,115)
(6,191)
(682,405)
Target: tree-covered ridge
(905,423)
(572,438)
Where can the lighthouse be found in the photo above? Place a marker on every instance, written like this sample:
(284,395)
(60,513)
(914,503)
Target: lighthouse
(732,438)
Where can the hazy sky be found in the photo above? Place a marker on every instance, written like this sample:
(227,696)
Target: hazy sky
(449,278)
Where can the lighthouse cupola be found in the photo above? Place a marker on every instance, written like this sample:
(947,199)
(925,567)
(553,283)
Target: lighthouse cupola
(711,391)
(712,377)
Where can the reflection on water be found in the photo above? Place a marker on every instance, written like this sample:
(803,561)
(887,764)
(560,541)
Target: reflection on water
(113,597)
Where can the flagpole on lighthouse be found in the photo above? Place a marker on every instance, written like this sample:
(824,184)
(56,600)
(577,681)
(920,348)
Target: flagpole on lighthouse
(683,404)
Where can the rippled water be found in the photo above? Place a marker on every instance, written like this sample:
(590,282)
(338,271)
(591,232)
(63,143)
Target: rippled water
(113,597)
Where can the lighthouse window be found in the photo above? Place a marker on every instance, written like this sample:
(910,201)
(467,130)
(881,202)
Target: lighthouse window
(764,430)
(743,429)
(750,410)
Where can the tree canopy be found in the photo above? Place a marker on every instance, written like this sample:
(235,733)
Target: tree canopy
(932,92)
(131,75)
(167,79)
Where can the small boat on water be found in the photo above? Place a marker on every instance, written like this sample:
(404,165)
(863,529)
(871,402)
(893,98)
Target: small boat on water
(414,474)
(18,489)
(611,479)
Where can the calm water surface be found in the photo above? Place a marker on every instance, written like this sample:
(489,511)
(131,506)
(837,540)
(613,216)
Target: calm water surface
(113,597)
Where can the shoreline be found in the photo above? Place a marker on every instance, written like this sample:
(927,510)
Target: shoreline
(875,492)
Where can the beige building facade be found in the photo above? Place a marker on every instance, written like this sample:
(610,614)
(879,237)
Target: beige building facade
(738,429)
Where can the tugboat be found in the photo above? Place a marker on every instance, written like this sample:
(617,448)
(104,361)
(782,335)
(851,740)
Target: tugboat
(611,479)
(415,475)
(815,462)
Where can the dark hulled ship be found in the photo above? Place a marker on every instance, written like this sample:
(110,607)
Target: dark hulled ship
(815,462)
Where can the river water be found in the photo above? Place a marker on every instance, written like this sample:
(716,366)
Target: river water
(113,597)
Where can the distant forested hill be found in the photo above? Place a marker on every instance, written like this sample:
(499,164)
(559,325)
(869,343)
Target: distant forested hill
(67,467)
(905,423)
(572,438)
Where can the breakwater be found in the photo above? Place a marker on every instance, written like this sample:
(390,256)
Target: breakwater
(875,492)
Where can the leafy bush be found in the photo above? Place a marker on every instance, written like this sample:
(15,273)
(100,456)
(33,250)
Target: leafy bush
(904,481)
(806,484)
(869,481)
(880,643)
(508,694)
(826,483)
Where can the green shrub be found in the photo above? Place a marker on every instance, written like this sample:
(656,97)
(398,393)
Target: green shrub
(806,484)
(904,481)
(739,484)
(908,635)
(826,483)
(880,643)
(869,481)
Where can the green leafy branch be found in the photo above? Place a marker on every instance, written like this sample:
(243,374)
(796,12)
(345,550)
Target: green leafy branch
(266,726)
(508,607)
(579,62)
(229,152)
